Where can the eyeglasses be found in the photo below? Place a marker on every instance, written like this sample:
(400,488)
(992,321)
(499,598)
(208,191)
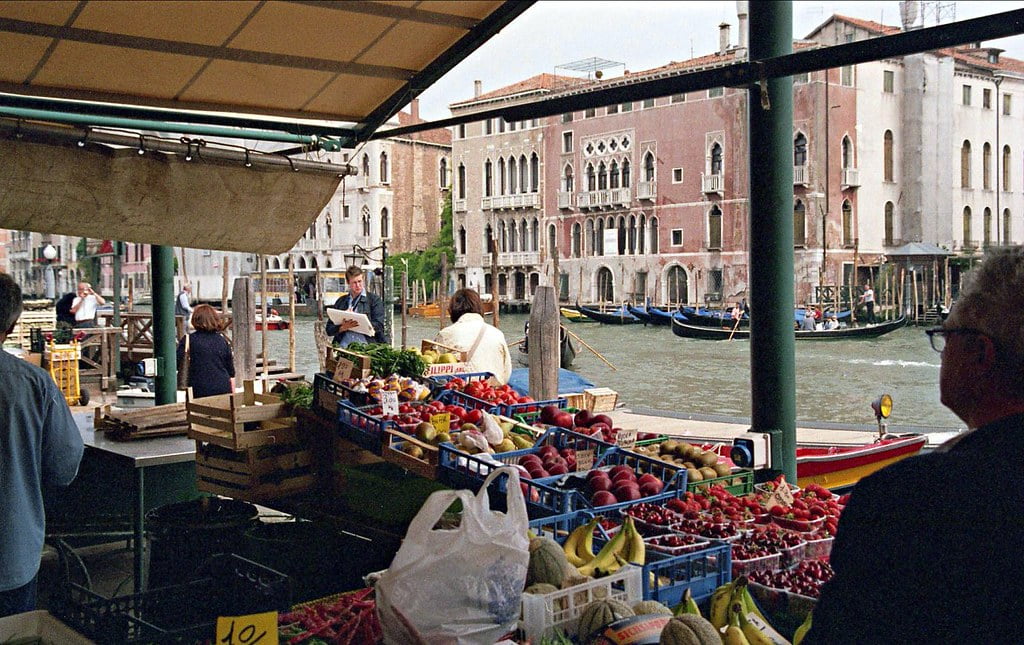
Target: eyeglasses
(937,335)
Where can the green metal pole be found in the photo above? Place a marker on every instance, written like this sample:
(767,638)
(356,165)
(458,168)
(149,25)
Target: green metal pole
(770,163)
(116,319)
(164,342)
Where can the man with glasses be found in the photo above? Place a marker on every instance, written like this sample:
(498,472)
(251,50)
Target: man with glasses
(928,549)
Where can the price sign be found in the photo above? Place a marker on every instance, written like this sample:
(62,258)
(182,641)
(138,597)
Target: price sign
(442,422)
(781,496)
(626,438)
(389,402)
(343,369)
(584,460)
(248,630)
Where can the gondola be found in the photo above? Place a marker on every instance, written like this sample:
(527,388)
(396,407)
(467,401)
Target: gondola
(662,317)
(572,315)
(685,330)
(723,318)
(620,316)
(641,314)
(567,349)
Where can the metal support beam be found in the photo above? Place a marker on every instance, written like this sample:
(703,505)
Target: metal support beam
(164,341)
(772,342)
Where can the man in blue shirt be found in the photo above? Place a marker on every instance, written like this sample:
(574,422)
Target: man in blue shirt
(360,301)
(39,446)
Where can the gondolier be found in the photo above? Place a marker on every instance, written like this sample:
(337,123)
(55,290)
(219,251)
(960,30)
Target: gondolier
(868,300)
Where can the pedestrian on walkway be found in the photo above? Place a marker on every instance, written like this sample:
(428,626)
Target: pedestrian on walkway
(40,446)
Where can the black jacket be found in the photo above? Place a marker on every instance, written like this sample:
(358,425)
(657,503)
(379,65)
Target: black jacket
(210,364)
(928,549)
(369,304)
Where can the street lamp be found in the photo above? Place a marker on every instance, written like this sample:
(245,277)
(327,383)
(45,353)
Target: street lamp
(49,254)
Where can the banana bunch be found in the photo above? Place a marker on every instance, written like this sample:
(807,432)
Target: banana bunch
(626,547)
(734,610)
(687,606)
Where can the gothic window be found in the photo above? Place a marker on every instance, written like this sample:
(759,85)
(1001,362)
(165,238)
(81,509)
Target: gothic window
(614,180)
(524,174)
(986,226)
(986,166)
(642,235)
(799,224)
(383,167)
(602,176)
(534,173)
(967,226)
(552,240)
(890,224)
(366,168)
(847,153)
(716,159)
(501,176)
(625,173)
(488,179)
(461,179)
(1007,238)
(442,173)
(591,177)
(847,223)
(965,165)
(512,176)
(649,166)
(366,221)
(653,225)
(513,237)
(462,240)
(887,152)
(589,242)
(385,224)
(715,228)
(800,150)
(631,235)
(1006,167)
(567,178)
(576,240)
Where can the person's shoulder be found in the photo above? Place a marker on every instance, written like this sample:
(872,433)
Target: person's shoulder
(19,369)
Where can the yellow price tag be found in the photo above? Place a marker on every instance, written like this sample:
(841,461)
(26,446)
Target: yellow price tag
(248,630)
(442,422)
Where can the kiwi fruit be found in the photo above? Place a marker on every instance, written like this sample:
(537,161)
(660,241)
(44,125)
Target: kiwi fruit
(669,447)
(722,469)
(693,475)
(708,472)
(708,458)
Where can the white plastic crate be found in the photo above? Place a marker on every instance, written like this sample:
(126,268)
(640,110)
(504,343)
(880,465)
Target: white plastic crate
(543,613)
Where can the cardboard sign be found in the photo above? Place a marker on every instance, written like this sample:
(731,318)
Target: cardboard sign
(781,496)
(626,439)
(442,422)
(343,369)
(389,402)
(584,460)
(248,630)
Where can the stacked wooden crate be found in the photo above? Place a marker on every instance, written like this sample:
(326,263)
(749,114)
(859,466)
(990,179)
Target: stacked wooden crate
(248,447)
(127,425)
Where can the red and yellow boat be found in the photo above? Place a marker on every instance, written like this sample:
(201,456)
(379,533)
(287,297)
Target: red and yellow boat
(835,466)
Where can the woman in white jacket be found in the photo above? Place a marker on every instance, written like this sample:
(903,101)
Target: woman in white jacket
(484,344)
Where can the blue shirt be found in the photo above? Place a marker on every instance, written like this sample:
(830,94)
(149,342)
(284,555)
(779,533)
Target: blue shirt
(40,445)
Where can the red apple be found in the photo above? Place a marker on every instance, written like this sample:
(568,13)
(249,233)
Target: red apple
(627,493)
(559,468)
(649,488)
(582,418)
(601,418)
(562,420)
(620,468)
(547,414)
(599,484)
(603,498)
(647,477)
(595,474)
(546,450)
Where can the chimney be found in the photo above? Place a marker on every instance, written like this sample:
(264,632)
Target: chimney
(741,13)
(478,88)
(414,110)
(723,38)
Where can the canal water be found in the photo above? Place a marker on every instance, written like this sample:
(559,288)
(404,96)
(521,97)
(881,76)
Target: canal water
(836,380)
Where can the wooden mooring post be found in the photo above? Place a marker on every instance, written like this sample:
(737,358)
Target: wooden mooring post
(544,344)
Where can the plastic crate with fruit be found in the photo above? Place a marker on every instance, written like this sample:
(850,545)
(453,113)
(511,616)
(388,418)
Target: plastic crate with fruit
(767,562)
(512,409)
(542,614)
(674,543)
(818,548)
(365,427)
(651,477)
(667,577)
(326,394)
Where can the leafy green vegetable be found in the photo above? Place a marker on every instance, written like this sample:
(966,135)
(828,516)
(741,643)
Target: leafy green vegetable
(299,395)
(386,360)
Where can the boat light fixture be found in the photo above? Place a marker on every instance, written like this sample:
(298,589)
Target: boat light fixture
(882,407)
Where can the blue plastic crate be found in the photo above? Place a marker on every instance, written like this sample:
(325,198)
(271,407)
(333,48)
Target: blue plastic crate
(460,470)
(510,409)
(439,381)
(366,430)
(558,527)
(667,577)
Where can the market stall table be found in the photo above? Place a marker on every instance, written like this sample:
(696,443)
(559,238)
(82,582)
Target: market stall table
(127,479)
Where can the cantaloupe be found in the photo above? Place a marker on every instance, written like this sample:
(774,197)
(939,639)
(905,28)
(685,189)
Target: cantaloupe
(598,615)
(689,629)
(547,562)
(651,607)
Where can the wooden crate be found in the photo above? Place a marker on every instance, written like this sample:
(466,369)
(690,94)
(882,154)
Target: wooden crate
(126,425)
(425,466)
(439,369)
(600,399)
(255,474)
(29,319)
(241,420)
(574,400)
(360,363)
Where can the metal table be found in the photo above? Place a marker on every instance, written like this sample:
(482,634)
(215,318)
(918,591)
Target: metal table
(168,461)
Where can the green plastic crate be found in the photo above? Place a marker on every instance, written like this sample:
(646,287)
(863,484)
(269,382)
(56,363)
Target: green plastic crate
(739,483)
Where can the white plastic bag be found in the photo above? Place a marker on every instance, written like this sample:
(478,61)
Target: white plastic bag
(458,586)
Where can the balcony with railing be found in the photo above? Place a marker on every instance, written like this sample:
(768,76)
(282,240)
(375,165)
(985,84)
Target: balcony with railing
(850,178)
(522,200)
(605,198)
(647,190)
(459,205)
(712,183)
(460,261)
(519,258)
(564,199)
(801,177)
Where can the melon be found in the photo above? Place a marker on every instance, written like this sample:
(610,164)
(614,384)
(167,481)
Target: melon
(547,562)
(599,614)
(540,588)
(689,629)
(651,607)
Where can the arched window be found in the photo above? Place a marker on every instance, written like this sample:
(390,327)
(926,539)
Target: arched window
(625,173)
(383,167)
(488,178)
(567,184)
(1006,167)
(524,236)
(328,224)
(887,173)
(605,285)
(462,240)
(461,179)
(302,262)
(524,174)
(642,235)
(552,240)
(312,263)
(488,236)
(653,225)
(967,227)
(678,288)
(649,166)
(890,223)
(847,152)
(986,166)
(502,237)
(631,235)
(591,178)
(366,168)
(602,176)
(715,227)
(366,221)
(534,233)
(502,179)
(847,223)
(576,241)
(799,223)
(986,226)
(965,165)
(716,159)
(513,237)
(1007,238)
(534,173)
(385,224)
(622,235)
(800,150)
(512,176)
(614,175)
(442,173)
(599,235)
(589,243)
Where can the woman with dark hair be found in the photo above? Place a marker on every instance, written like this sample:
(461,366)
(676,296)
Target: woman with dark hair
(485,347)
(206,356)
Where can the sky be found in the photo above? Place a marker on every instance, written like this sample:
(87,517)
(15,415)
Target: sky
(646,34)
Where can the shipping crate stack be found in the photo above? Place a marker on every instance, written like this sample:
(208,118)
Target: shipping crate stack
(127,425)
(248,447)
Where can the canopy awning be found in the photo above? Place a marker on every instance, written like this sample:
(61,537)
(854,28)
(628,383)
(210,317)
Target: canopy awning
(352,64)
